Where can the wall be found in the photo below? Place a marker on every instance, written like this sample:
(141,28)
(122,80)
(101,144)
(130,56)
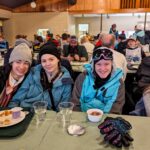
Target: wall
(126,23)
(71,24)
(29,23)
(5,14)
(94,24)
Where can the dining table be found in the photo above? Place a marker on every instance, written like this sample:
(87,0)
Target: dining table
(50,135)
(78,66)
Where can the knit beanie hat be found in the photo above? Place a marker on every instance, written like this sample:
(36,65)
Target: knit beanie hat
(49,49)
(21,52)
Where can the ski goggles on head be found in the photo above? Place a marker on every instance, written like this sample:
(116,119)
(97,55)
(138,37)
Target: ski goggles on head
(102,53)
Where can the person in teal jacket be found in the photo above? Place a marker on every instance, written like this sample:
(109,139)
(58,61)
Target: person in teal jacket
(48,81)
(101,85)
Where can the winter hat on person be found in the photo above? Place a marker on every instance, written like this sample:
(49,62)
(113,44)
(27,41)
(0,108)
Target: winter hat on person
(132,38)
(140,27)
(21,52)
(101,53)
(49,49)
(21,40)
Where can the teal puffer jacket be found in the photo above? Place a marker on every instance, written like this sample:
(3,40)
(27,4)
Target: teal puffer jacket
(102,98)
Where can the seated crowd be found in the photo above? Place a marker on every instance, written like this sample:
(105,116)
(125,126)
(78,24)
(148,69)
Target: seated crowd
(49,77)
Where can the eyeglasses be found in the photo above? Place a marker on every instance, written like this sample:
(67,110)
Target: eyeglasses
(102,53)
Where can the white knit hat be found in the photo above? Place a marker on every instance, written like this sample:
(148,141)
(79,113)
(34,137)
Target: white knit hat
(21,52)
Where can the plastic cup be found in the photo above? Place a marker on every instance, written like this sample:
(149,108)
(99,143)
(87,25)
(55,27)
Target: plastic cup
(16,112)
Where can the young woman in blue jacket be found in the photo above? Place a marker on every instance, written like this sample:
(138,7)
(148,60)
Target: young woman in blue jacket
(101,85)
(48,81)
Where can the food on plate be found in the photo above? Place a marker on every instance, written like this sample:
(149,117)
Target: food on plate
(7,112)
(7,122)
(2,114)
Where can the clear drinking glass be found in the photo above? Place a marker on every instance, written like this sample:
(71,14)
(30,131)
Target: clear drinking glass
(65,112)
(40,108)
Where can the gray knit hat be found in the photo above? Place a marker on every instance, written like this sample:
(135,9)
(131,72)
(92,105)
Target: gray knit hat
(21,52)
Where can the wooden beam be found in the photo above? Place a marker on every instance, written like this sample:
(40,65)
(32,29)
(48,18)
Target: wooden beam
(5,8)
(103,11)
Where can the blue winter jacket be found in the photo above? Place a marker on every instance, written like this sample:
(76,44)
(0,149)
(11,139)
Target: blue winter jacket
(32,90)
(102,98)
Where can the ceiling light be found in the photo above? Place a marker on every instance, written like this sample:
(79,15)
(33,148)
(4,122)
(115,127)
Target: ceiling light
(33,4)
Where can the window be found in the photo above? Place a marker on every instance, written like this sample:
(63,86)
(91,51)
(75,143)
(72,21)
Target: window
(42,32)
(83,29)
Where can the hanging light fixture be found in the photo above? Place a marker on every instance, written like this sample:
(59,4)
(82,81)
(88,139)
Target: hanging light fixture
(33,4)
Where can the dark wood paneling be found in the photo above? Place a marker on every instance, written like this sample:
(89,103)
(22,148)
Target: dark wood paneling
(88,6)
(44,6)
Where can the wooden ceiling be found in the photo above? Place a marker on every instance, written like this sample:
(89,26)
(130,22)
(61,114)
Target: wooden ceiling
(81,6)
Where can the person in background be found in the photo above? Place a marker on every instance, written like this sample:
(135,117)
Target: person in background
(75,52)
(48,81)
(142,78)
(89,46)
(13,74)
(101,85)
(58,39)
(99,40)
(108,40)
(51,40)
(133,53)
(64,40)
(4,46)
(142,107)
(113,30)
(38,42)
(140,35)
(122,43)
(123,34)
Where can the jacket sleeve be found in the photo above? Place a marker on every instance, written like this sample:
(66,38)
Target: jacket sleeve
(77,91)
(118,104)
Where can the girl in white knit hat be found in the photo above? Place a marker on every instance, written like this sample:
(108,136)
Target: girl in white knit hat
(12,76)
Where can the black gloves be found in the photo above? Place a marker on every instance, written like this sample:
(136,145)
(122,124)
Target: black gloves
(116,131)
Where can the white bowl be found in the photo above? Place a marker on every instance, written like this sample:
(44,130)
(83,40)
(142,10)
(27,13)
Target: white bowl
(94,115)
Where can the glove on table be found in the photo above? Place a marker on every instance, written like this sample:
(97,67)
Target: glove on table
(116,131)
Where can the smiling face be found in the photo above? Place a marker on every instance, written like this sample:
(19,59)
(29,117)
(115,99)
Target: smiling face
(103,68)
(19,68)
(50,63)
(131,44)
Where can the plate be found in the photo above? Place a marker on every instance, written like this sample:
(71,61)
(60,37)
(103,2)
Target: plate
(12,121)
(75,130)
